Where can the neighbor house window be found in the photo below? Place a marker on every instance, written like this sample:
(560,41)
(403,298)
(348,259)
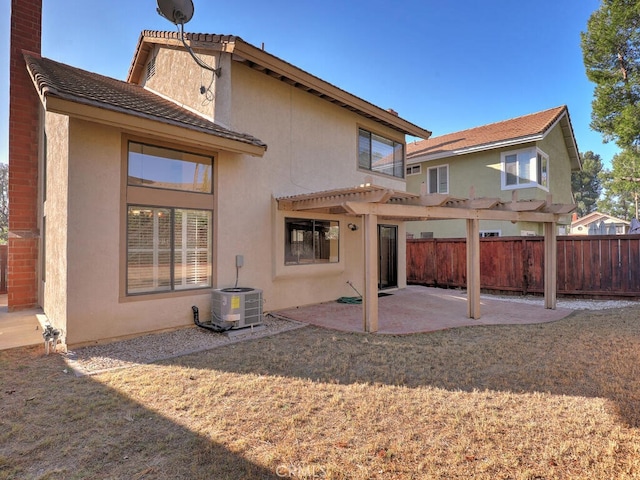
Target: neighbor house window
(380,154)
(438,179)
(414,170)
(525,168)
(309,241)
(168,234)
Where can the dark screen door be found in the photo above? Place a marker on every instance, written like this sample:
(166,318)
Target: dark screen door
(388,256)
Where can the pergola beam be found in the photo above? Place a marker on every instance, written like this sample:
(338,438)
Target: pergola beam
(446,213)
(331,201)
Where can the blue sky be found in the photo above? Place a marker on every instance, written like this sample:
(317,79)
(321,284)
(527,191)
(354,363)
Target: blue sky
(444,65)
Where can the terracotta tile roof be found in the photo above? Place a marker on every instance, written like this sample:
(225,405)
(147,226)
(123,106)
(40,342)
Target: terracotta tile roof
(69,83)
(487,135)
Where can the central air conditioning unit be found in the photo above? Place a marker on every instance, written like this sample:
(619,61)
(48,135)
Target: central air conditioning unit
(238,307)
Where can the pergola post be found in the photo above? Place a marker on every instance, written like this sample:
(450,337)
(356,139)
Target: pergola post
(550,265)
(473,268)
(370,300)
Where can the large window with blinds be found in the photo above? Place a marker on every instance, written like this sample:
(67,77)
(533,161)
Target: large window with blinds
(169,246)
(168,249)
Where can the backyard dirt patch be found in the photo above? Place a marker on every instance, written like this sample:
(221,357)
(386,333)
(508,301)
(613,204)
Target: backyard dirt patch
(545,401)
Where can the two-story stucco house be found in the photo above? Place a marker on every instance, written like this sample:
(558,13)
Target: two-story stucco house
(530,157)
(156,189)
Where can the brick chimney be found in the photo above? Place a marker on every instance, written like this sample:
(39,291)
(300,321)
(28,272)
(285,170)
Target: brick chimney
(24,107)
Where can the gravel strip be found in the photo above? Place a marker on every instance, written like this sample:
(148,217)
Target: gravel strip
(161,346)
(572,304)
(151,348)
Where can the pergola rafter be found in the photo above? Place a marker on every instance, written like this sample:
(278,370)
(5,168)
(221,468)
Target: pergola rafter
(374,202)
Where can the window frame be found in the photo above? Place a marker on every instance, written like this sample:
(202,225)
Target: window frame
(150,197)
(409,169)
(288,242)
(538,164)
(170,160)
(175,281)
(438,179)
(397,150)
(490,233)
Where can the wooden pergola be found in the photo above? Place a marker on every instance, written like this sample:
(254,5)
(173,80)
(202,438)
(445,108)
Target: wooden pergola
(374,202)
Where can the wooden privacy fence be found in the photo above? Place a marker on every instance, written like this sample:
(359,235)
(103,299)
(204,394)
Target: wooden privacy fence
(599,265)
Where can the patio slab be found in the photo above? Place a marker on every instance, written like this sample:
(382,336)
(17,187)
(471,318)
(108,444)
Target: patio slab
(423,309)
(18,329)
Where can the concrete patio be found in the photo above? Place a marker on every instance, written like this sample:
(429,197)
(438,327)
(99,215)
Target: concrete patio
(423,309)
(19,329)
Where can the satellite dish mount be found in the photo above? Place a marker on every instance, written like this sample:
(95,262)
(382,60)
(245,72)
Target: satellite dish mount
(180,12)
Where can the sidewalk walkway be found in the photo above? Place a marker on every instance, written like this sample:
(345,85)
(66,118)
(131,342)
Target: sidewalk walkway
(18,329)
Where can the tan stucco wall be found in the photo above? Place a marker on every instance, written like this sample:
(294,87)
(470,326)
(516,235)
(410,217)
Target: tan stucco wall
(95,308)
(312,147)
(55,210)
(178,77)
(482,171)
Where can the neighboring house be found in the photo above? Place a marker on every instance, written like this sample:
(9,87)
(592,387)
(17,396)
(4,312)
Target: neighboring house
(153,191)
(596,223)
(530,157)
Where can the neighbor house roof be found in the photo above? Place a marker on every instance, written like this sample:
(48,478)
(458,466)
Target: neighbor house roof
(260,60)
(596,217)
(524,129)
(60,86)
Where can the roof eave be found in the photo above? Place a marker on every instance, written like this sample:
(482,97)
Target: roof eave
(148,126)
(567,132)
(140,55)
(299,78)
(474,149)
(245,52)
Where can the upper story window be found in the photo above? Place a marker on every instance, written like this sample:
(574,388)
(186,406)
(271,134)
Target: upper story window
(414,170)
(380,154)
(438,179)
(159,167)
(525,168)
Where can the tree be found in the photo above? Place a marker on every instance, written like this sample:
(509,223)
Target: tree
(586,184)
(4,202)
(611,55)
(622,185)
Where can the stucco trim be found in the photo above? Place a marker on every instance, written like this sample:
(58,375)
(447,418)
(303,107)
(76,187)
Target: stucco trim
(149,127)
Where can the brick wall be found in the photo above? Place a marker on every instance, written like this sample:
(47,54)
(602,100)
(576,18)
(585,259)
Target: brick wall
(26,31)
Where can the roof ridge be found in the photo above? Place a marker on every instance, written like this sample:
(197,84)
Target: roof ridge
(200,37)
(509,130)
(513,119)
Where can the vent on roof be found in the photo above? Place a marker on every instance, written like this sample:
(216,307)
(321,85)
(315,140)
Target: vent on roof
(151,67)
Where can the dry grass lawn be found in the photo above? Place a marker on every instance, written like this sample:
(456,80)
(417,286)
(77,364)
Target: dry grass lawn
(549,401)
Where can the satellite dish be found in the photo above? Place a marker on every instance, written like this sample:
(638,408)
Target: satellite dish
(180,12)
(177,12)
